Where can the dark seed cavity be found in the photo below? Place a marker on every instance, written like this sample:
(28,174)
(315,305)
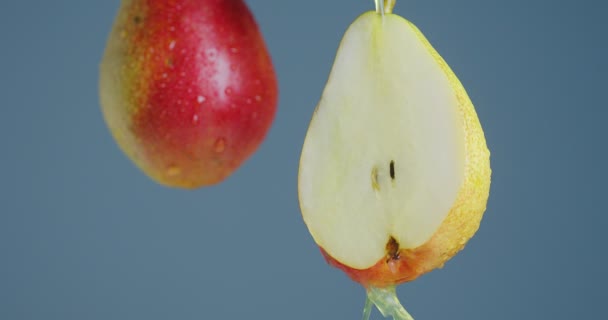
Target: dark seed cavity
(392,249)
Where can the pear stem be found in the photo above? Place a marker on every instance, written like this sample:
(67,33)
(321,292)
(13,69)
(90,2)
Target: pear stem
(367,310)
(385,6)
(387,302)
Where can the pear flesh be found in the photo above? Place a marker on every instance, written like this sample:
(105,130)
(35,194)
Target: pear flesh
(385,155)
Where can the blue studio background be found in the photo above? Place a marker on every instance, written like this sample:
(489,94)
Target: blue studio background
(85,235)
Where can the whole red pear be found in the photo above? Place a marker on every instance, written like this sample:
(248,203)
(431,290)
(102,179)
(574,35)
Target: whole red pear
(187,88)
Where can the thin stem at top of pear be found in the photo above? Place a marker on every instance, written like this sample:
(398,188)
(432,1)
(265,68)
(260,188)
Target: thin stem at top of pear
(385,6)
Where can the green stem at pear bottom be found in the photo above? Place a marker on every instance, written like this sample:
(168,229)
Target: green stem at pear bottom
(386,301)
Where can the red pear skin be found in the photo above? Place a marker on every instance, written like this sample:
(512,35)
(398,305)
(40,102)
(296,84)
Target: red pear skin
(387,272)
(187,88)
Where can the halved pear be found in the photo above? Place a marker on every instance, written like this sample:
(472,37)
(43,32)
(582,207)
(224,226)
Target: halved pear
(394,174)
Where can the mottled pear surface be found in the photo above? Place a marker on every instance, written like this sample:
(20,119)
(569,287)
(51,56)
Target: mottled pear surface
(187,88)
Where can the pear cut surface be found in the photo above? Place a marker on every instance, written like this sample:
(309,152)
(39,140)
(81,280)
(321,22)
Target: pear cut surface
(384,156)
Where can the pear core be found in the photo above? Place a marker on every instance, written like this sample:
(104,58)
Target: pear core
(385,155)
